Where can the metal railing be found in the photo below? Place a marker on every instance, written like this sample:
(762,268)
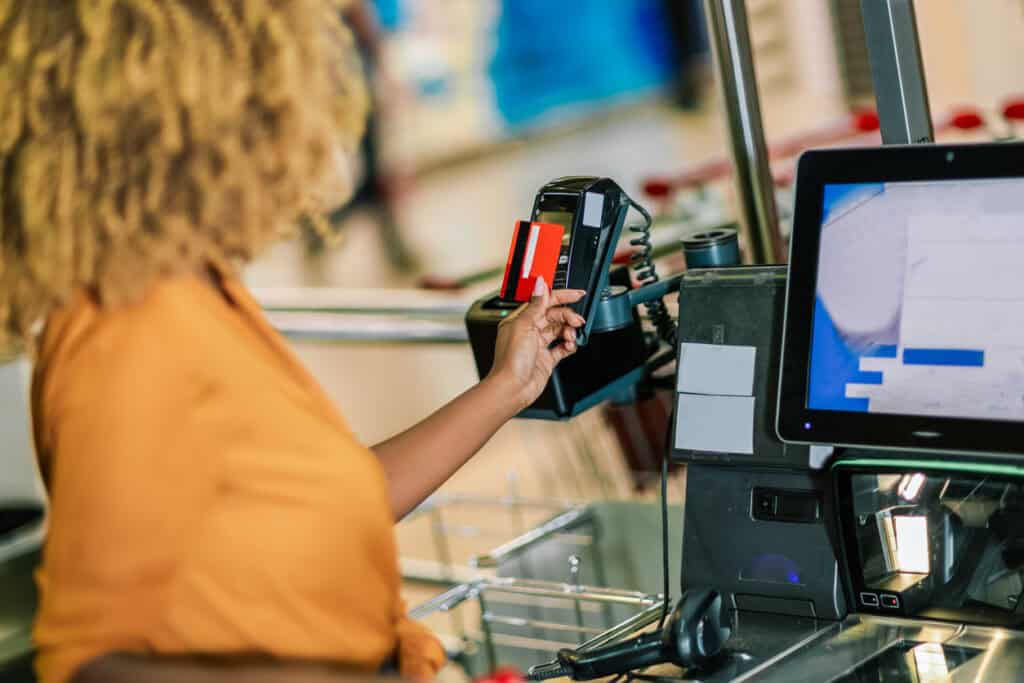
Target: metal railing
(543,636)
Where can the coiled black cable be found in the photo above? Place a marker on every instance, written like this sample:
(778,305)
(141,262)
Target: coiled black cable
(647,274)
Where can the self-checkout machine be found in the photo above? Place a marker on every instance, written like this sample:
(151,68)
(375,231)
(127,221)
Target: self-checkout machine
(899,559)
(901,336)
(902,355)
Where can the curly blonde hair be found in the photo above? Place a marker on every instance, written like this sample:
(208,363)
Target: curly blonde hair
(141,138)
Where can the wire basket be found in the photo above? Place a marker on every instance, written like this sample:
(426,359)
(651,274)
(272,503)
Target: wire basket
(509,622)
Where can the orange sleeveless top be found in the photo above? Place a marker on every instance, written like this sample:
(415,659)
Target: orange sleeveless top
(206,496)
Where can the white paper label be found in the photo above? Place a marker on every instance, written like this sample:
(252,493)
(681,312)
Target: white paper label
(719,424)
(716,369)
(593,209)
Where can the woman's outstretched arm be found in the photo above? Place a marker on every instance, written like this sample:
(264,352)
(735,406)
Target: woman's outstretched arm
(531,342)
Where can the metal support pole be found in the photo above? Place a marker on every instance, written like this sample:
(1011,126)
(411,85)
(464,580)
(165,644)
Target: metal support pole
(890,27)
(730,42)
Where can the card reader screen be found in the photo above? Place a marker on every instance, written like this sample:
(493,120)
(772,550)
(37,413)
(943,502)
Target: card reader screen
(563,218)
(919,306)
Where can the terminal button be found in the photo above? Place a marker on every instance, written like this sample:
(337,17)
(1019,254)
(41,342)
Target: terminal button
(869,599)
(782,505)
(890,601)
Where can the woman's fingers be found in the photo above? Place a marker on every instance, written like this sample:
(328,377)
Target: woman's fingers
(558,332)
(550,334)
(547,306)
(562,297)
(563,351)
(565,316)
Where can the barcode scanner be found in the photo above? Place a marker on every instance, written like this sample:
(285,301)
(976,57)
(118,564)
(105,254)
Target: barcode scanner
(692,637)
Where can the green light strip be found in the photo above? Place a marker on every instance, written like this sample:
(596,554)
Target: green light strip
(973,468)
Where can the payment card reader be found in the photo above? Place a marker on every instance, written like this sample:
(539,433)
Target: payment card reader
(570,241)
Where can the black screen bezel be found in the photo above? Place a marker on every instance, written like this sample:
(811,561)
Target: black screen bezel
(902,163)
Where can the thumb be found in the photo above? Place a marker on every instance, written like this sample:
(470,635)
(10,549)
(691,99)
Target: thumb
(539,301)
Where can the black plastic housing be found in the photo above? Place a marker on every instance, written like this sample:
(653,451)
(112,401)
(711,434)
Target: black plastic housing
(593,241)
(605,368)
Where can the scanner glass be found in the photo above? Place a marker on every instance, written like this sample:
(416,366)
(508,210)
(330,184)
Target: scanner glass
(911,661)
(943,545)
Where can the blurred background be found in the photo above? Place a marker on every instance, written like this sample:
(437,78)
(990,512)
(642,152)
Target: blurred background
(478,103)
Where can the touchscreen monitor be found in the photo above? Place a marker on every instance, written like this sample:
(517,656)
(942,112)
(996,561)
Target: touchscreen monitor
(905,305)
(919,299)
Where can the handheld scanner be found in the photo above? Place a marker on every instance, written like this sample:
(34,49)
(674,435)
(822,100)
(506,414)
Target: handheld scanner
(592,211)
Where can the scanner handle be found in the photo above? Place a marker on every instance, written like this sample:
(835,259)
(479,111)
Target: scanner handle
(635,653)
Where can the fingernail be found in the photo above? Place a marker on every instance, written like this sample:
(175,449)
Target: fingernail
(540,286)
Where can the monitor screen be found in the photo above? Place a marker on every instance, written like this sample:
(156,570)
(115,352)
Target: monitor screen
(919,300)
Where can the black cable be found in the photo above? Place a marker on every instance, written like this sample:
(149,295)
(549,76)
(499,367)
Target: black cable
(664,530)
(544,672)
(653,679)
(647,274)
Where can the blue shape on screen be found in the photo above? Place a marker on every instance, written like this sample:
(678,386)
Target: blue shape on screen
(833,366)
(883,351)
(840,195)
(965,358)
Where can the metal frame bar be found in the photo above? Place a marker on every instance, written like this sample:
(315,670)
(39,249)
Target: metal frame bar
(897,71)
(445,572)
(489,591)
(730,42)
(451,599)
(348,328)
(521,544)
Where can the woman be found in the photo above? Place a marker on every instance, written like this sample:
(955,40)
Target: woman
(212,517)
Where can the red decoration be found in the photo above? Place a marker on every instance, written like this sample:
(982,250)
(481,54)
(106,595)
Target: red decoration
(866,121)
(657,188)
(503,674)
(968,119)
(1014,110)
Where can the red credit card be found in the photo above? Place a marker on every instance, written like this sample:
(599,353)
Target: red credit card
(534,253)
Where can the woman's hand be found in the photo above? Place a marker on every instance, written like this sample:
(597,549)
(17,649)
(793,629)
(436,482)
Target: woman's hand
(530,344)
(533,340)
